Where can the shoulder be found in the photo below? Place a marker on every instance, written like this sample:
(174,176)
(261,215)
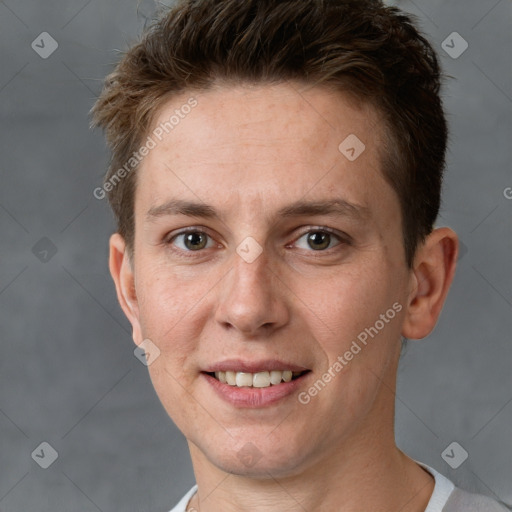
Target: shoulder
(449,498)
(464,501)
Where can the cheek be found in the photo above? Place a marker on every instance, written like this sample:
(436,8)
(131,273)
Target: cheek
(349,302)
(170,308)
(171,315)
(358,319)
(357,324)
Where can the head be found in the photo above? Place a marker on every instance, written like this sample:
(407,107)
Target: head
(359,48)
(305,163)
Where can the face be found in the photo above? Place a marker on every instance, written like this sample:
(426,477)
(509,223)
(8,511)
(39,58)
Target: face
(267,241)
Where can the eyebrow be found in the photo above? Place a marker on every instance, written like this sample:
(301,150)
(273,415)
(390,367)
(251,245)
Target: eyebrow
(181,207)
(339,207)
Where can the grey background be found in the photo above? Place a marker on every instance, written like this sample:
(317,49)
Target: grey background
(68,375)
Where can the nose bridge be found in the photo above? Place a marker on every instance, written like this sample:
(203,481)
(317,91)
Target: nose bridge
(252,273)
(250,300)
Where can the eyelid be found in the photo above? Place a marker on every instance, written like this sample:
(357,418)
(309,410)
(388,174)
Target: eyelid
(169,239)
(342,237)
(182,231)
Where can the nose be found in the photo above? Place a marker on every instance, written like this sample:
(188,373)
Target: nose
(252,298)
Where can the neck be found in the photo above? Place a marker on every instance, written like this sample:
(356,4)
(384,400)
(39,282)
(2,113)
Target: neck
(355,477)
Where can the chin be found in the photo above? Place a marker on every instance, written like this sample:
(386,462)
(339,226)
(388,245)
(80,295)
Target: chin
(257,457)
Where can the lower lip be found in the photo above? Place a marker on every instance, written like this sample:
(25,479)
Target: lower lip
(247,397)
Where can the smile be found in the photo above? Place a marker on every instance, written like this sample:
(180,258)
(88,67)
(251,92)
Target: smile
(254,384)
(263,379)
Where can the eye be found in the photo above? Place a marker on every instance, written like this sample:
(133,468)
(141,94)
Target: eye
(191,241)
(318,240)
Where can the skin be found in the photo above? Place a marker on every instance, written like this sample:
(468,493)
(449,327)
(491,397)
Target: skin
(249,151)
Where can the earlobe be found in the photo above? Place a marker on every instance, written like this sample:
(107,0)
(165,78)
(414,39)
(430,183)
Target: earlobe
(122,273)
(432,275)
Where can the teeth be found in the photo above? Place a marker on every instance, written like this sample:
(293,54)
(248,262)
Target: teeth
(261,380)
(287,376)
(230,378)
(276,377)
(256,380)
(243,379)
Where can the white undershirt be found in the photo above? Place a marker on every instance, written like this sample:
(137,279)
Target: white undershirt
(442,490)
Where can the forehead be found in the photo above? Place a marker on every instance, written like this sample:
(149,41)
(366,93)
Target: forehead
(257,143)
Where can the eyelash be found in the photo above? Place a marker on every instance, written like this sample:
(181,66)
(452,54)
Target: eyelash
(343,240)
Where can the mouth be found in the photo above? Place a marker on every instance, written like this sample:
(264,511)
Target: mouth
(261,379)
(255,384)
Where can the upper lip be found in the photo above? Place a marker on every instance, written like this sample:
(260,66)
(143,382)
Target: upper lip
(240,365)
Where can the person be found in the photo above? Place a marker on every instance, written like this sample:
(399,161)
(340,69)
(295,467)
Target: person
(276,176)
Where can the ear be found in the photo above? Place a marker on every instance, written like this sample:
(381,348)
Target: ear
(121,270)
(431,277)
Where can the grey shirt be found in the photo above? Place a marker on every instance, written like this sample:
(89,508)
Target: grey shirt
(460,501)
(448,498)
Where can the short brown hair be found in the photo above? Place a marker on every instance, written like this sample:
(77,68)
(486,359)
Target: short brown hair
(356,46)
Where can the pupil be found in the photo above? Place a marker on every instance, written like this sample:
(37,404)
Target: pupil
(195,241)
(319,240)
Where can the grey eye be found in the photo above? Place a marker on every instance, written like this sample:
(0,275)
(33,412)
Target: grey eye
(317,240)
(192,241)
